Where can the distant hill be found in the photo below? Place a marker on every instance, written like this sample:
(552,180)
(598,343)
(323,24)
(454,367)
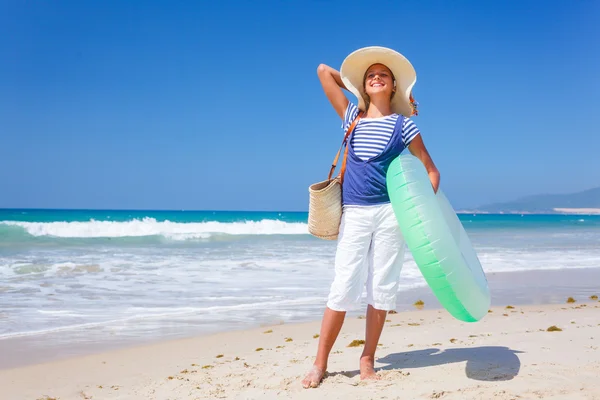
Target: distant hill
(580,202)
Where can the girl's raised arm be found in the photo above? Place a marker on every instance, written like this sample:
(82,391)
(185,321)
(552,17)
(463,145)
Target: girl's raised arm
(332,86)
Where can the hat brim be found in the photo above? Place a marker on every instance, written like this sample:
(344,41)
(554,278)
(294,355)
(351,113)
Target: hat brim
(356,64)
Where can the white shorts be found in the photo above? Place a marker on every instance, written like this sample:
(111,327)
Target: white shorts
(370,251)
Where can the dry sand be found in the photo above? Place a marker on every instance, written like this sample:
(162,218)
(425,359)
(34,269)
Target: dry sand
(424,354)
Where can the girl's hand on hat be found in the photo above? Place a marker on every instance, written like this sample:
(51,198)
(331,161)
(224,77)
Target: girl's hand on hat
(332,86)
(418,149)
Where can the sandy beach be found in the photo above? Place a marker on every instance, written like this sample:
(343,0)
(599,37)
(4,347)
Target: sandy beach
(513,353)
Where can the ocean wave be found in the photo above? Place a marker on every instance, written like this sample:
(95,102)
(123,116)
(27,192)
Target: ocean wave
(152,227)
(149,313)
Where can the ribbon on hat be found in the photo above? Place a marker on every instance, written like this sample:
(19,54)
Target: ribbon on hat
(414,105)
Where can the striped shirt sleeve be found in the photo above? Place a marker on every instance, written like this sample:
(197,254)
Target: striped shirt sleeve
(409,131)
(349,116)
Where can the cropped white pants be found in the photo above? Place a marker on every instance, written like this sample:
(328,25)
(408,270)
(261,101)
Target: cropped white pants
(370,251)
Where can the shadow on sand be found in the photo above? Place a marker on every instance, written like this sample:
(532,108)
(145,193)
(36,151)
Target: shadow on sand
(487,363)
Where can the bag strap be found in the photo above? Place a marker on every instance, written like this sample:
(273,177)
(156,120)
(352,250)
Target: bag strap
(344,142)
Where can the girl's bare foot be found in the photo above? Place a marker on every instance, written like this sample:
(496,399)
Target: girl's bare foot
(367,368)
(313,378)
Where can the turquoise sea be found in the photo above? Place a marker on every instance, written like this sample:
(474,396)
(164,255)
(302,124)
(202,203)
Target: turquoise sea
(97,274)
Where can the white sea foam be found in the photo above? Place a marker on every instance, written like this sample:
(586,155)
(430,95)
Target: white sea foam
(152,227)
(158,313)
(68,286)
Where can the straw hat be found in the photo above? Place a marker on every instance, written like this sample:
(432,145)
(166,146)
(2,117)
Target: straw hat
(356,64)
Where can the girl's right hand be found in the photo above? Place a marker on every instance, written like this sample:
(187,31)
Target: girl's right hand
(332,86)
(418,149)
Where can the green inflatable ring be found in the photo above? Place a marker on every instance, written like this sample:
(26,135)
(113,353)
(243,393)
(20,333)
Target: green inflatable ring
(437,240)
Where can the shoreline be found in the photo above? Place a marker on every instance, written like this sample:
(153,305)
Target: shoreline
(518,288)
(422,354)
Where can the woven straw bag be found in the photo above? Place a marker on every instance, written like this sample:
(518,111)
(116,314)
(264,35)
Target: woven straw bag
(325,197)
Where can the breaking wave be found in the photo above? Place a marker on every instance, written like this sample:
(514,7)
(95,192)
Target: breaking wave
(152,227)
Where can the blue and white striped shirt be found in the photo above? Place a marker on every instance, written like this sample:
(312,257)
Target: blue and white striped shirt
(372,135)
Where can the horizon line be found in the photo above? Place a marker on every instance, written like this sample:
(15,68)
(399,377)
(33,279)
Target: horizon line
(458,212)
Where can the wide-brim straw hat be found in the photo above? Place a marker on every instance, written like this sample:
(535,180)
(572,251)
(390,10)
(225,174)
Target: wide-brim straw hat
(356,64)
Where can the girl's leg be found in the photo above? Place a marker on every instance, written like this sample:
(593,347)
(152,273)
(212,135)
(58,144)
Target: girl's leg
(330,329)
(346,290)
(375,322)
(385,264)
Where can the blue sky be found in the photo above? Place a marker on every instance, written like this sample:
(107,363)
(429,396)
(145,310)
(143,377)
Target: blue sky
(217,105)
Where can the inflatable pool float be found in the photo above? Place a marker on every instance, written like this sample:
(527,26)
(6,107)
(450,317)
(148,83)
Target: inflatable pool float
(437,240)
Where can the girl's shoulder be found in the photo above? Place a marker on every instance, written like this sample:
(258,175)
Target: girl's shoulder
(349,115)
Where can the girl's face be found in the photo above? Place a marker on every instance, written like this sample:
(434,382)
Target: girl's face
(379,79)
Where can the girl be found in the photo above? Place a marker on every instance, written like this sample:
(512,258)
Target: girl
(370,248)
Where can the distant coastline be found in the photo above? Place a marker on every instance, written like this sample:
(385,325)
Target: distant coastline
(555,211)
(585,211)
(586,202)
